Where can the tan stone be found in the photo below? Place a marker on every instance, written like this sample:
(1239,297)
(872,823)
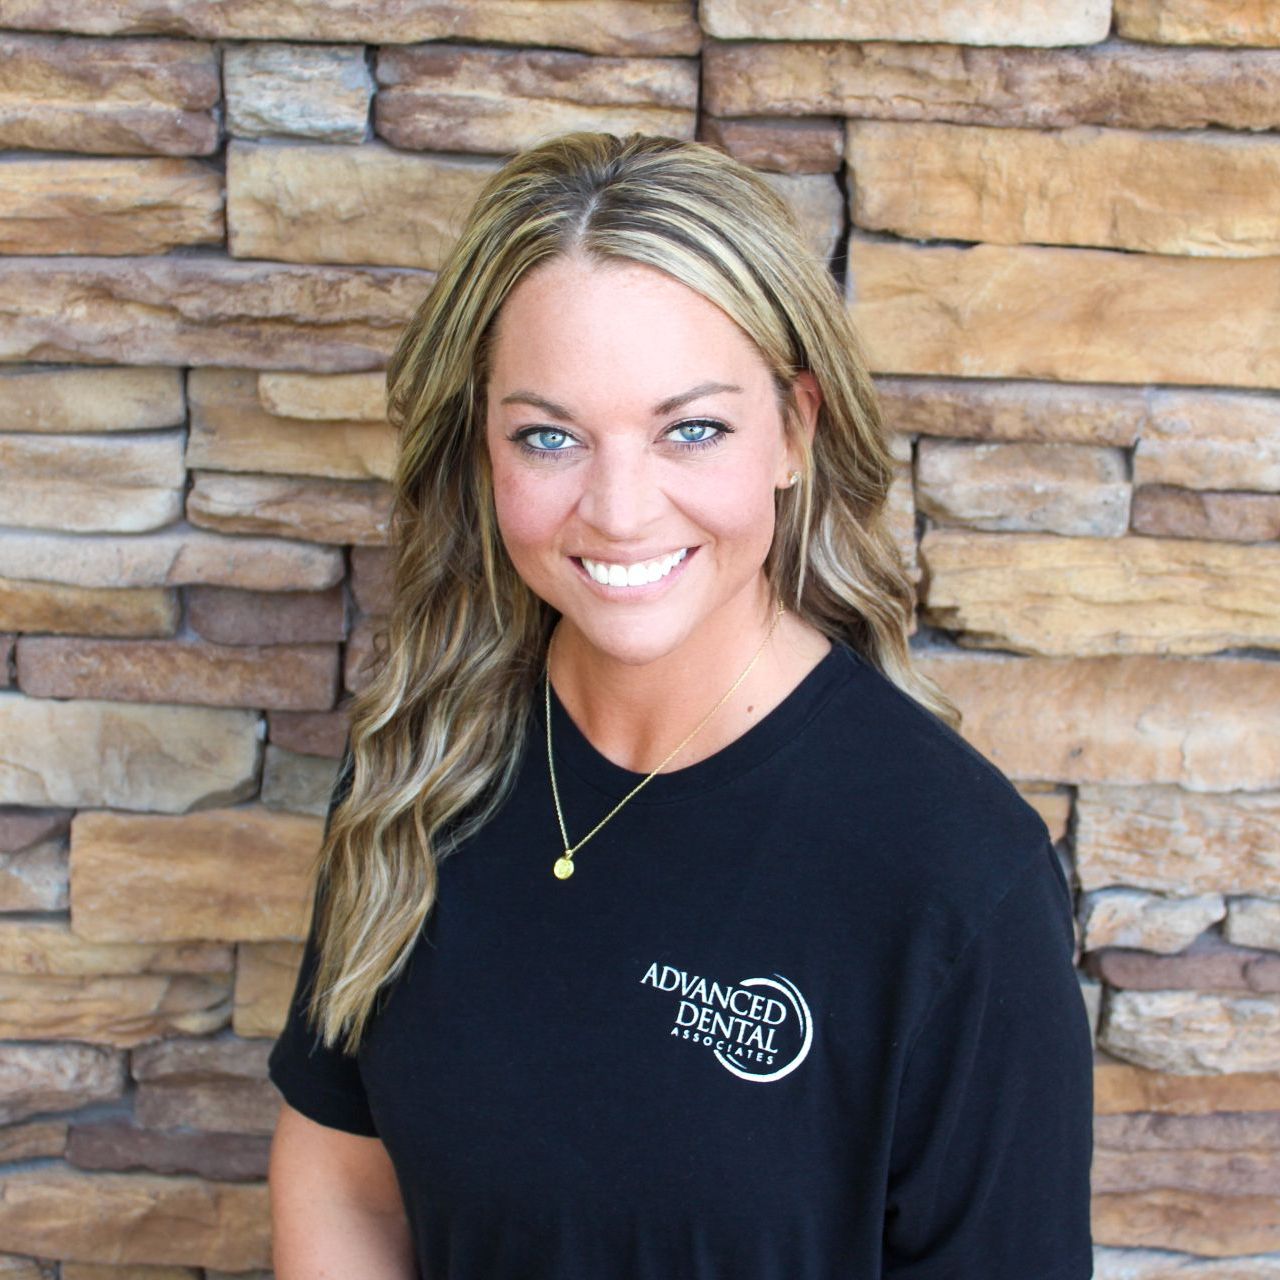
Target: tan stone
(334,203)
(91,483)
(218,874)
(599,26)
(1237,1173)
(987,22)
(1117,84)
(1196,1222)
(1162,511)
(297,783)
(108,206)
(1124,1087)
(230,431)
(778,146)
(1131,918)
(316,733)
(34,879)
(1074,314)
(92,611)
(371,578)
(122,1010)
(90,1271)
(900,509)
(49,947)
(1254,922)
(1237,22)
(1165,1264)
(297,91)
(818,206)
(469,98)
(227,616)
(292,677)
(1175,841)
(122,97)
(1207,724)
(173,557)
(44,1077)
(13,1267)
(266,974)
(328,511)
(1013,411)
(201,310)
(155,758)
(1204,193)
(124,1218)
(356,397)
(1191,1032)
(359,663)
(1053,806)
(32,1142)
(1050,488)
(38,399)
(1240,1131)
(1044,594)
(1210,440)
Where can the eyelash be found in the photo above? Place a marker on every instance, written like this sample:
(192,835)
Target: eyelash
(520,437)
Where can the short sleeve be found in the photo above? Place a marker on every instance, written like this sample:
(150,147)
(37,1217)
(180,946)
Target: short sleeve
(322,1083)
(993,1136)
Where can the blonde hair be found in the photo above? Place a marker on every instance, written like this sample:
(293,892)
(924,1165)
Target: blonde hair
(437,733)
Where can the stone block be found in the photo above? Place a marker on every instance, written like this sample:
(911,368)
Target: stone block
(1162,511)
(95,611)
(35,1078)
(50,947)
(324,397)
(1149,921)
(778,146)
(266,975)
(818,206)
(315,733)
(33,398)
(297,783)
(226,616)
(1254,922)
(1121,1087)
(34,879)
(1210,440)
(1238,22)
(297,91)
(1191,1221)
(371,578)
(119,1145)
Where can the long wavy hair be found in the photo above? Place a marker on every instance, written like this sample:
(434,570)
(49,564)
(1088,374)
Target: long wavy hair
(437,732)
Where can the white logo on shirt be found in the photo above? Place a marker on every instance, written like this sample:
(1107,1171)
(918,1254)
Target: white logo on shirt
(754,1036)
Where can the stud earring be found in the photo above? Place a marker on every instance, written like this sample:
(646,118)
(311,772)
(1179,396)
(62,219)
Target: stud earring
(792,478)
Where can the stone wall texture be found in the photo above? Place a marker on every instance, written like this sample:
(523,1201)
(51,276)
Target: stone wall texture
(1057,224)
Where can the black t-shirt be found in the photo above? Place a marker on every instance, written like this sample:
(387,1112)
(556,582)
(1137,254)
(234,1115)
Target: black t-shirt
(806,1009)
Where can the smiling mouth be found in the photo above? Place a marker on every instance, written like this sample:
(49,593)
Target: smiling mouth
(640,574)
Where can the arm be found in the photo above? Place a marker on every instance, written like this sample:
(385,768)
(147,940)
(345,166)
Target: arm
(336,1208)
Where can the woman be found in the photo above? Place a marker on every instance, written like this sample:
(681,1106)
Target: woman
(665,926)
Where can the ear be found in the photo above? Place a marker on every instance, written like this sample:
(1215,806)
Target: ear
(807,396)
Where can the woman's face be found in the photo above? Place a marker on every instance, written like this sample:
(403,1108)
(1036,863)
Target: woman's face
(635,442)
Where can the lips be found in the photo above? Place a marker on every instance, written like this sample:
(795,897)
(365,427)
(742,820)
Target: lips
(638,578)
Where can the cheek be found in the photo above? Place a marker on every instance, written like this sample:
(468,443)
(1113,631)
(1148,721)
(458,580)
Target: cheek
(530,507)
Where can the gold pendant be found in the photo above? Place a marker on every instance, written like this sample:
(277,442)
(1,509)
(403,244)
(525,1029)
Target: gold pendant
(563,867)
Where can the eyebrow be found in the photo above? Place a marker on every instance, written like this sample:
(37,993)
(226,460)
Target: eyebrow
(670,405)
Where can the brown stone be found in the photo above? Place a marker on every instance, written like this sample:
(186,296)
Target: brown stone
(1232,1131)
(1203,193)
(1175,841)
(778,146)
(1239,22)
(24,828)
(1210,440)
(49,947)
(292,677)
(1017,486)
(328,511)
(334,203)
(230,431)
(161,758)
(1124,1087)
(1115,317)
(371,578)
(122,97)
(1202,723)
(359,663)
(34,1141)
(1013,411)
(1044,594)
(109,206)
(1124,86)
(120,1010)
(1162,511)
(228,875)
(116,1144)
(48,1077)
(225,616)
(324,397)
(250,1107)
(1207,965)
(818,206)
(92,611)
(266,975)
(204,310)
(172,557)
(1131,918)
(1198,1222)
(1235,1173)
(297,783)
(135,1218)
(34,879)
(599,26)
(438,97)
(987,22)
(14,1267)
(33,398)
(315,733)
(1192,1032)
(297,91)
(91,1271)
(200,1061)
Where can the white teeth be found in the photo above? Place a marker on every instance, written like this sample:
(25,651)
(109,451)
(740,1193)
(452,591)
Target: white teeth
(633,575)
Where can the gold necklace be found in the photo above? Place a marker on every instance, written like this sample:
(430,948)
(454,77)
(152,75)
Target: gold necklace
(563,867)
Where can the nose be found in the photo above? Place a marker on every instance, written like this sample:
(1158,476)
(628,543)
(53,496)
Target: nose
(621,494)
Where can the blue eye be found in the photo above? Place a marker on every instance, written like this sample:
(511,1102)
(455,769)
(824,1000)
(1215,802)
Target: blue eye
(545,440)
(701,433)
